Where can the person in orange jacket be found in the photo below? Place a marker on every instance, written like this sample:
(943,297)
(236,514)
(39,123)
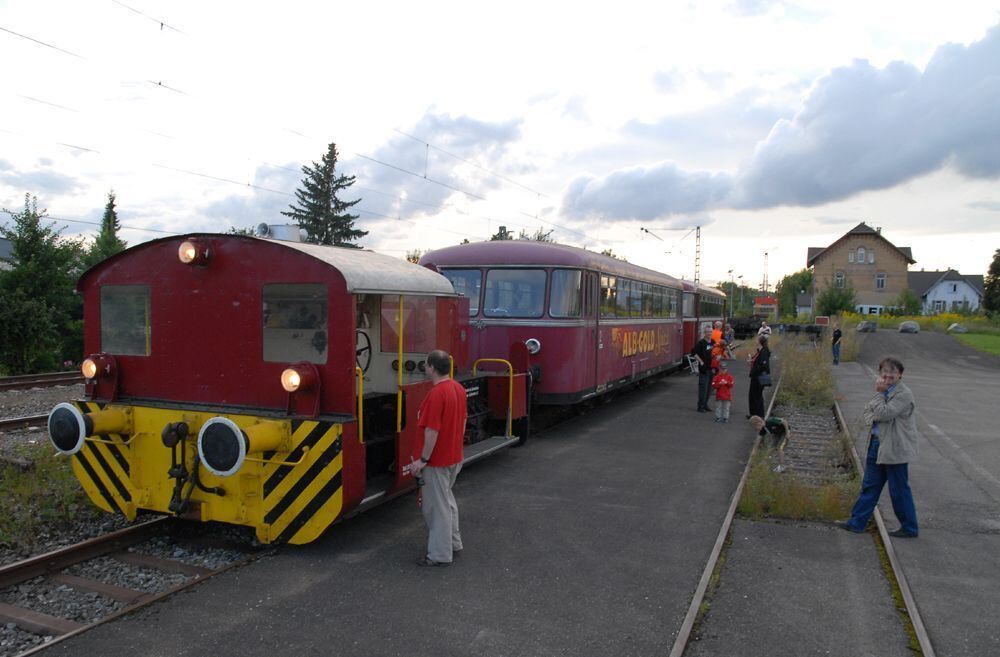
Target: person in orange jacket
(723,383)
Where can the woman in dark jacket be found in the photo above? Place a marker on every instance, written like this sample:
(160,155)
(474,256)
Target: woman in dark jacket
(760,364)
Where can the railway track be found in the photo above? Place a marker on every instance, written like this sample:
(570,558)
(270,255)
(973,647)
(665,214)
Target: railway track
(48,598)
(50,379)
(12,423)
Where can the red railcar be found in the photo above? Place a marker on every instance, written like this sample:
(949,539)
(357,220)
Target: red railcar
(592,323)
(702,306)
(264,383)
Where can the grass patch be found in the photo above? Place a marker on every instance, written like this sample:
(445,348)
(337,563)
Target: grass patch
(47,494)
(806,374)
(981,341)
(772,494)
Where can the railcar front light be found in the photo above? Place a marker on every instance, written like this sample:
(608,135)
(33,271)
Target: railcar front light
(534,345)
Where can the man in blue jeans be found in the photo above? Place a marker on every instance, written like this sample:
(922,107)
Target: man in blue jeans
(891,446)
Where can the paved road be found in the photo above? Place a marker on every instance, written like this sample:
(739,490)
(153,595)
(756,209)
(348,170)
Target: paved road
(587,541)
(954,566)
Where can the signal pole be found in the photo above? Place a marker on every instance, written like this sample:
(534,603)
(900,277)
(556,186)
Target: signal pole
(697,244)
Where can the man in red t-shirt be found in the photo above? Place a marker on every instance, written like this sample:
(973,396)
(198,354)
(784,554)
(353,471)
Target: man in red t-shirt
(442,417)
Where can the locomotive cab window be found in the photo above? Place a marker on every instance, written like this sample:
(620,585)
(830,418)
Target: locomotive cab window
(514,293)
(125,320)
(468,283)
(564,299)
(295,322)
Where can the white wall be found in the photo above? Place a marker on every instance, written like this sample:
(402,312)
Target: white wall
(943,292)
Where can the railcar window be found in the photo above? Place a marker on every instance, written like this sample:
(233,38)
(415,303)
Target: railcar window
(514,293)
(658,301)
(647,300)
(621,309)
(564,297)
(608,295)
(125,328)
(689,304)
(468,283)
(295,322)
(674,298)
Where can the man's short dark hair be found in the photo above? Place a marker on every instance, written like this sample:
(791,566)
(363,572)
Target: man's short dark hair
(440,361)
(892,362)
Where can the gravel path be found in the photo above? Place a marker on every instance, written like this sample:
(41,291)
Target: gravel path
(36,401)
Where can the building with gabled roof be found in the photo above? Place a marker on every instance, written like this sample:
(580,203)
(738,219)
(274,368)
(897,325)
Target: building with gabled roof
(864,259)
(946,291)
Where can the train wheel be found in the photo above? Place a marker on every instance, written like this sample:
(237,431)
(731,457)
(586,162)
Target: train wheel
(522,429)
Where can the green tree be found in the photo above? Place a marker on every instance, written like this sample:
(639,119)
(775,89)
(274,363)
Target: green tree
(320,211)
(44,267)
(107,243)
(791,286)
(991,295)
(29,341)
(501,235)
(540,235)
(834,300)
(611,254)
(414,255)
(906,303)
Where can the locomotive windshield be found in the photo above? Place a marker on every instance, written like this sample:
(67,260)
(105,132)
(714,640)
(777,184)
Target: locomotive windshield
(514,293)
(125,320)
(295,322)
(468,283)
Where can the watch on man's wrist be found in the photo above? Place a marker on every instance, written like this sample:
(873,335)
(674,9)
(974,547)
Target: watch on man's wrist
(424,460)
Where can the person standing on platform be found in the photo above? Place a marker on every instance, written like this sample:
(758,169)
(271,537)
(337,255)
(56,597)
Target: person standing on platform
(764,330)
(703,352)
(837,335)
(760,364)
(442,417)
(723,383)
(718,346)
(892,444)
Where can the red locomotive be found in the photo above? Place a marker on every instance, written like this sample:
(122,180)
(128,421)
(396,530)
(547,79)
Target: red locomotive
(268,384)
(590,322)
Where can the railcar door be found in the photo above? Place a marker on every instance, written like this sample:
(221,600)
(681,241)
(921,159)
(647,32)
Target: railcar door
(591,330)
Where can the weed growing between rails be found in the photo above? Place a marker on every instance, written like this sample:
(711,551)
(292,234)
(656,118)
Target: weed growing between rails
(816,478)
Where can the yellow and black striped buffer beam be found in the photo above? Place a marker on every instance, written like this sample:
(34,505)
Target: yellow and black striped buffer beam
(302,500)
(103,467)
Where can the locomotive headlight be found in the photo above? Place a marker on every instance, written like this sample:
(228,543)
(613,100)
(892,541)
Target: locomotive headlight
(193,252)
(89,368)
(291,380)
(534,345)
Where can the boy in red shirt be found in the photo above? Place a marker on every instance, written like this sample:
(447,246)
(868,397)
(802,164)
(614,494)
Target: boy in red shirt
(723,383)
(439,458)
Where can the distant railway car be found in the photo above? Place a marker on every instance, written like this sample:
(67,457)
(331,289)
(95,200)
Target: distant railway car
(264,383)
(702,306)
(591,323)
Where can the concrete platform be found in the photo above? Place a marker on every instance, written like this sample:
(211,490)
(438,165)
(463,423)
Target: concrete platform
(795,588)
(589,540)
(954,566)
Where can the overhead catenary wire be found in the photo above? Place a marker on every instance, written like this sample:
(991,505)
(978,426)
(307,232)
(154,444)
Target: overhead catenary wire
(41,43)
(162,24)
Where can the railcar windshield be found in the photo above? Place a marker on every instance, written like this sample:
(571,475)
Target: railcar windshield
(468,283)
(514,293)
(564,297)
(125,320)
(295,322)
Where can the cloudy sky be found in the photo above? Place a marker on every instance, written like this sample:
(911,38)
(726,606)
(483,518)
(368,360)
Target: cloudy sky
(775,126)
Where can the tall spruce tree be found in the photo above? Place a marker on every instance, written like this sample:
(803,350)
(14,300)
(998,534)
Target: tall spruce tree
(107,243)
(37,294)
(320,211)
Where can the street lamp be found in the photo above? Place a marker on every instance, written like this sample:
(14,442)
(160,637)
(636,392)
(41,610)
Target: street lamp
(733,291)
(741,290)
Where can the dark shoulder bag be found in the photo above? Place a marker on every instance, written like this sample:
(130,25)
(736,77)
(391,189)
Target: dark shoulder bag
(764,379)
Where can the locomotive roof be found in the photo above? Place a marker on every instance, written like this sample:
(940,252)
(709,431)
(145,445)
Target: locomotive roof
(365,272)
(545,254)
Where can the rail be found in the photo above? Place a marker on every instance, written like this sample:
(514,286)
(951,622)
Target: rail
(23,422)
(510,388)
(24,381)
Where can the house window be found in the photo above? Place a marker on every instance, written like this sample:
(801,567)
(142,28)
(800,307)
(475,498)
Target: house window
(880,281)
(954,287)
(838,279)
(850,256)
(861,255)
(871,257)
(939,305)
